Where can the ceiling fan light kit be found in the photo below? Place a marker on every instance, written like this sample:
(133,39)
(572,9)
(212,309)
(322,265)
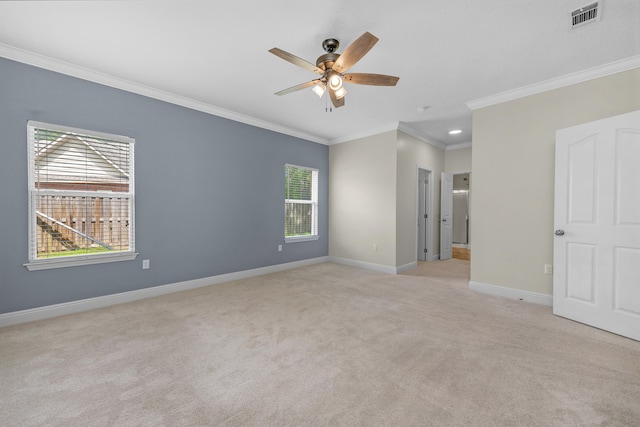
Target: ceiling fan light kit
(319,89)
(332,66)
(335,81)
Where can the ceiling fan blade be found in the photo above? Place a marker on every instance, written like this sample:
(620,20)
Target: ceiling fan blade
(354,52)
(334,99)
(295,60)
(371,79)
(298,87)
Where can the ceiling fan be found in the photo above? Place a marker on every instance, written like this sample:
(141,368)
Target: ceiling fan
(331,66)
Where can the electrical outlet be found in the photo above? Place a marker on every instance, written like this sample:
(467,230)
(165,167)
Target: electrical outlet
(279,248)
(145,264)
(548,269)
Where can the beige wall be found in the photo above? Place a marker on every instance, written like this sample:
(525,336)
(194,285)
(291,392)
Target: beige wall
(372,197)
(459,160)
(362,199)
(513,172)
(414,153)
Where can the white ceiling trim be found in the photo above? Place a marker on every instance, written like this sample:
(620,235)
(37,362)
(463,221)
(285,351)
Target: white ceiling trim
(364,134)
(66,68)
(422,137)
(388,128)
(459,146)
(559,82)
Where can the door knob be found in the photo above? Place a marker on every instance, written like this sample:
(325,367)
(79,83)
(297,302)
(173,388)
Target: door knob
(559,233)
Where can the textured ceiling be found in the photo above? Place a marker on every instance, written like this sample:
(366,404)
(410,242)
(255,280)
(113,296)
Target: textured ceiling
(446,53)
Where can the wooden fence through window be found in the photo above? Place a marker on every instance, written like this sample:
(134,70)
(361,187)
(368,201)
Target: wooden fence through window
(67,223)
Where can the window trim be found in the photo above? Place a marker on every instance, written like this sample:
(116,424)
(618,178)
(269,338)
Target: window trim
(76,260)
(45,264)
(315,207)
(297,239)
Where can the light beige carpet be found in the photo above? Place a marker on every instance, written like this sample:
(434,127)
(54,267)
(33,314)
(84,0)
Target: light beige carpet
(320,345)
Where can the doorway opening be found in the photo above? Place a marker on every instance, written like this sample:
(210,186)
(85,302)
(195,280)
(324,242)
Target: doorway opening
(424,216)
(460,216)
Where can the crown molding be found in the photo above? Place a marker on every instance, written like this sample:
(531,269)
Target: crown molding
(364,134)
(458,146)
(399,126)
(87,74)
(558,82)
(419,135)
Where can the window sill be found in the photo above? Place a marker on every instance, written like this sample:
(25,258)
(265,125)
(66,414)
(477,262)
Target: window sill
(300,239)
(45,264)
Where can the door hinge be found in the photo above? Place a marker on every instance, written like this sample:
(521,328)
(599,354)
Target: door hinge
(426,216)
(425,250)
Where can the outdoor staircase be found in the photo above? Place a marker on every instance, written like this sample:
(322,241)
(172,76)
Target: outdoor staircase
(56,235)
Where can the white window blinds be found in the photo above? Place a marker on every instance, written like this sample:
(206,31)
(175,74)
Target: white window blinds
(301,203)
(81,186)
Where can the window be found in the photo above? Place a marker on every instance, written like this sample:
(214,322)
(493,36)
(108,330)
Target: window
(300,204)
(81,190)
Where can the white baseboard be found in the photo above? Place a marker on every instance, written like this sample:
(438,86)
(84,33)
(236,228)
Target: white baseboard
(50,311)
(375,267)
(362,264)
(512,293)
(407,267)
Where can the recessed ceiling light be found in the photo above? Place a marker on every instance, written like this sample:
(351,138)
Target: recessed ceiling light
(455,132)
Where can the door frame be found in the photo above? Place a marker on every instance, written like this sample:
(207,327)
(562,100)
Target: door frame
(446,211)
(429,208)
(469,173)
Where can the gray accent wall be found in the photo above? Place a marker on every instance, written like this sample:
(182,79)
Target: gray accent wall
(209,191)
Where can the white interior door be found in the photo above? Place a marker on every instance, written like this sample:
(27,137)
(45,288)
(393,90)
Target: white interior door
(597,221)
(423,214)
(446,215)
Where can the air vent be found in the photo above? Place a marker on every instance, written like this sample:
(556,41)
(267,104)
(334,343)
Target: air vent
(585,15)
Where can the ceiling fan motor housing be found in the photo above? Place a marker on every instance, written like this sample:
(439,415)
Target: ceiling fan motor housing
(326,61)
